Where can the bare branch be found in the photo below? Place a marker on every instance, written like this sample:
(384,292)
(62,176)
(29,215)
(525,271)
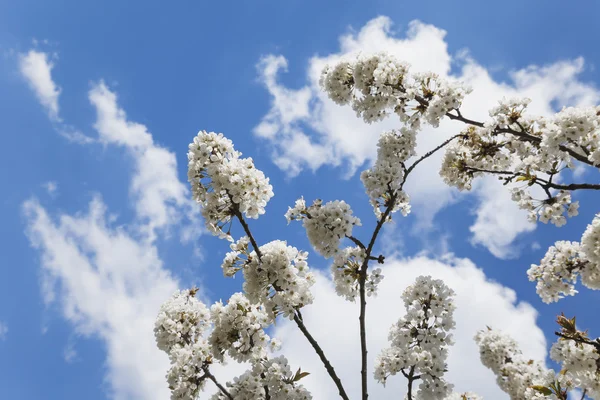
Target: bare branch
(297,319)
(221,387)
(321,354)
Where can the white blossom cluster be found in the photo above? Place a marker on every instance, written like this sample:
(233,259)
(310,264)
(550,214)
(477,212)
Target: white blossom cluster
(346,271)
(378,85)
(239,329)
(590,249)
(420,340)
(514,373)
(326,224)
(520,148)
(557,272)
(280,280)
(580,364)
(551,210)
(186,376)
(464,396)
(223,181)
(574,128)
(386,177)
(181,320)
(179,328)
(274,374)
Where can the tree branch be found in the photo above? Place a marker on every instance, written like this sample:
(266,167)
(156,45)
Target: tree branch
(297,318)
(595,343)
(523,135)
(429,154)
(546,184)
(321,354)
(221,387)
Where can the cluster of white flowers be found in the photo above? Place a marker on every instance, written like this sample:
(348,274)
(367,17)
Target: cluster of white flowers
(239,329)
(464,396)
(477,149)
(575,128)
(514,373)
(557,272)
(325,224)
(181,320)
(379,84)
(580,363)
(386,177)
(179,328)
(221,180)
(551,210)
(280,280)
(590,250)
(420,340)
(346,271)
(521,148)
(274,374)
(186,377)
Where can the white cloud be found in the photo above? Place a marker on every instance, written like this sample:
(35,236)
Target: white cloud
(51,187)
(334,323)
(36,68)
(160,197)
(498,220)
(109,286)
(3,330)
(109,280)
(307,130)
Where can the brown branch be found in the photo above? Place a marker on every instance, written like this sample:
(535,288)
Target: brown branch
(356,241)
(321,354)
(297,319)
(523,135)
(429,153)
(221,387)
(595,343)
(546,184)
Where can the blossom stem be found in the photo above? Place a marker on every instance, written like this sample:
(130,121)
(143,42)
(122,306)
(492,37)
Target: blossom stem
(321,354)
(297,319)
(221,387)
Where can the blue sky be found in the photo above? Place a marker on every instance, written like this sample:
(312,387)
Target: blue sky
(174,69)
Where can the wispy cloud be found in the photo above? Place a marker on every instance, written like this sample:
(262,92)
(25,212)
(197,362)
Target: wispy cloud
(36,68)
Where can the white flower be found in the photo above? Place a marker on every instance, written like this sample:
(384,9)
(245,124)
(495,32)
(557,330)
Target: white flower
(325,224)
(385,179)
(419,341)
(181,320)
(239,329)
(514,373)
(280,280)
(223,183)
(557,272)
(274,374)
(590,250)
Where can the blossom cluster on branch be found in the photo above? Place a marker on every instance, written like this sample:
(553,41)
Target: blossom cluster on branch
(419,341)
(280,279)
(527,153)
(515,374)
(224,183)
(564,262)
(326,224)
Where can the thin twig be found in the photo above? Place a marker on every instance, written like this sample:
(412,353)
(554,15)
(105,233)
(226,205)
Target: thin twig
(321,354)
(297,319)
(523,135)
(221,387)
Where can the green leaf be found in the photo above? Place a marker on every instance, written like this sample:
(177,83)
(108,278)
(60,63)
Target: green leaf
(542,389)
